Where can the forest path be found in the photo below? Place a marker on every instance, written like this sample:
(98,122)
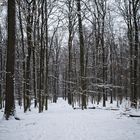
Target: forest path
(61,122)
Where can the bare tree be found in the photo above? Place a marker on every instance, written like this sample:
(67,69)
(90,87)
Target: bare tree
(129,10)
(9,94)
(30,8)
(1,69)
(81,41)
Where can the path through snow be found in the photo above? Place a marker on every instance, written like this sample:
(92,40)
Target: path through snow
(61,122)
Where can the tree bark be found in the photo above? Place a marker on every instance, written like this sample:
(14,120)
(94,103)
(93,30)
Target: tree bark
(81,39)
(136,44)
(28,59)
(9,94)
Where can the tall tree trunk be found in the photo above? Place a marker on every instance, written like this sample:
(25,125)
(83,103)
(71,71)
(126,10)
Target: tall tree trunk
(9,94)
(41,84)
(28,61)
(136,43)
(81,39)
(34,58)
(103,51)
(111,72)
(47,59)
(1,71)
(23,52)
(70,56)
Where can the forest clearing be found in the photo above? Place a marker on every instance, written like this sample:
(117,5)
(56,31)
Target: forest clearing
(62,122)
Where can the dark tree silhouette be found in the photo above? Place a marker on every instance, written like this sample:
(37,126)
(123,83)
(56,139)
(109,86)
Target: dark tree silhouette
(9,94)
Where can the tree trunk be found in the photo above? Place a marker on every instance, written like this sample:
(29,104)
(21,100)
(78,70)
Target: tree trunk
(28,61)
(1,71)
(81,39)
(136,44)
(9,94)
(23,52)
(47,59)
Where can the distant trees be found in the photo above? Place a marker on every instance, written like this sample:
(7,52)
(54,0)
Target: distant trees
(130,12)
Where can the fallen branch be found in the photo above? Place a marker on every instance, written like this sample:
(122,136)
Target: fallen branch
(131,115)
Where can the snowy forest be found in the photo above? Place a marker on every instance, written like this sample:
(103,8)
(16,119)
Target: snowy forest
(84,54)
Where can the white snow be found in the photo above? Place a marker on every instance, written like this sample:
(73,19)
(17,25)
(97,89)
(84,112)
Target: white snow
(61,122)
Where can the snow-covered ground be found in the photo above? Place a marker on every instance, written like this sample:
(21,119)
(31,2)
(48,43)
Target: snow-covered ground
(61,122)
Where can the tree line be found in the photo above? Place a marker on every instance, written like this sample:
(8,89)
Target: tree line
(69,48)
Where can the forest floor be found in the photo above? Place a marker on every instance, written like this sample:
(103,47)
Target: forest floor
(61,122)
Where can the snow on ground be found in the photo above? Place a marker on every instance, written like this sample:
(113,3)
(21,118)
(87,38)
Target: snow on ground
(61,122)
